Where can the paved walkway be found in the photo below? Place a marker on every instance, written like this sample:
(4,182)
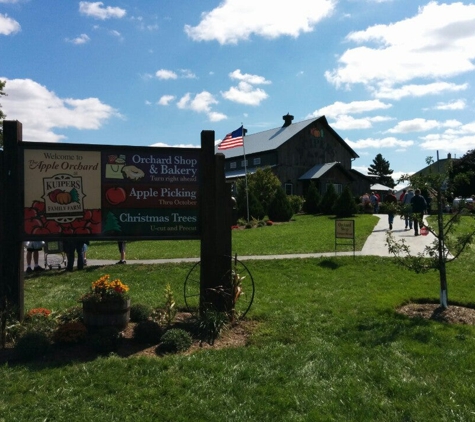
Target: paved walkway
(375,246)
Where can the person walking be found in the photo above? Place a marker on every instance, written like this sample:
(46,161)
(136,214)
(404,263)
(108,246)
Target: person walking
(122,248)
(374,202)
(391,200)
(406,203)
(419,206)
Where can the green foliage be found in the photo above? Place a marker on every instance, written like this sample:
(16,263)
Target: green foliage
(380,168)
(312,200)
(262,186)
(170,309)
(2,114)
(72,314)
(211,323)
(296,202)
(70,333)
(462,175)
(105,340)
(280,208)
(140,312)
(32,345)
(256,210)
(174,340)
(148,332)
(329,200)
(345,205)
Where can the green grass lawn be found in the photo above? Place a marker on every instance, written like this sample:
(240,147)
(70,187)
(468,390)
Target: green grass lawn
(304,234)
(328,346)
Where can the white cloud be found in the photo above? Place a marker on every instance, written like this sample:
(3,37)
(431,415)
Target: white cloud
(452,105)
(41,111)
(418,90)
(353,107)
(8,25)
(245,93)
(165,100)
(165,74)
(236,20)
(422,125)
(449,142)
(201,103)
(82,39)
(389,142)
(345,122)
(98,11)
(187,74)
(438,42)
(250,79)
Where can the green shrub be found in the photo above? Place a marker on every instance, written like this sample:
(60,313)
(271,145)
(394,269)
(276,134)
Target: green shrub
(72,314)
(149,332)
(345,205)
(328,200)
(31,345)
(105,340)
(210,324)
(312,200)
(140,312)
(70,333)
(174,341)
(279,208)
(296,202)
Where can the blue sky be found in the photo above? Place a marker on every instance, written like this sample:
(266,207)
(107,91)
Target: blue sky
(394,77)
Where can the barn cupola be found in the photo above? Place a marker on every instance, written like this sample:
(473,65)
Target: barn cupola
(287,120)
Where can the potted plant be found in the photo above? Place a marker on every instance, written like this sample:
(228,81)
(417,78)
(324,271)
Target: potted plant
(106,304)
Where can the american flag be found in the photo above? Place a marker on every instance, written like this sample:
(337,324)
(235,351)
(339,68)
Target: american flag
(232,140)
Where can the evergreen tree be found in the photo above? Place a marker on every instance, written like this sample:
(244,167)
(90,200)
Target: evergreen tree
(345,205)
(2,115)
(380,169)
(328,200)
(462,173)
(255,207)
(312,200)
(280,208)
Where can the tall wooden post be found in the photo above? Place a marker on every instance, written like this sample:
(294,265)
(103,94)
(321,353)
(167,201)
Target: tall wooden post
(215,216)
(11,217)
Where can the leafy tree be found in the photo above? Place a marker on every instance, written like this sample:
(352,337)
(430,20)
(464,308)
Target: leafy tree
(464,169)
(312,200)
(280,208)
(262,185)
(345,205)
(2,115)
(255,207)
(447,245)
(328,200)
(380,169)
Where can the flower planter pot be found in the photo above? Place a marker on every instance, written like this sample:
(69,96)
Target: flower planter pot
(104,314)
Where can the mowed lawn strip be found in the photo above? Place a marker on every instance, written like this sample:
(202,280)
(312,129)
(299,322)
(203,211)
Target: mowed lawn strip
(328,345)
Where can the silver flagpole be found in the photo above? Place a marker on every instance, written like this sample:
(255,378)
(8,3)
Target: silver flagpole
(245,173)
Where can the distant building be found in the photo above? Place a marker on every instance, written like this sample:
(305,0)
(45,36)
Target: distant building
(299,153)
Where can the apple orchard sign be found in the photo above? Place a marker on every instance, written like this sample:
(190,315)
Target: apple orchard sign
(110,192)
(104,192)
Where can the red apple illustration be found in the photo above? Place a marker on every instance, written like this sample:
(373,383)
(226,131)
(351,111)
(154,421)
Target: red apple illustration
(41,230)
(96,216)
(115,195)
(53,226)
(52,195)
(82,230)
(30,213)
(31,224)
(38,205)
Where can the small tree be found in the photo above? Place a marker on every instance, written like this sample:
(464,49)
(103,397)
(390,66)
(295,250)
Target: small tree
(312,200)
(447,246)
(328,200)
(280,208)
(345,205)
(2,115)
(380,168)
